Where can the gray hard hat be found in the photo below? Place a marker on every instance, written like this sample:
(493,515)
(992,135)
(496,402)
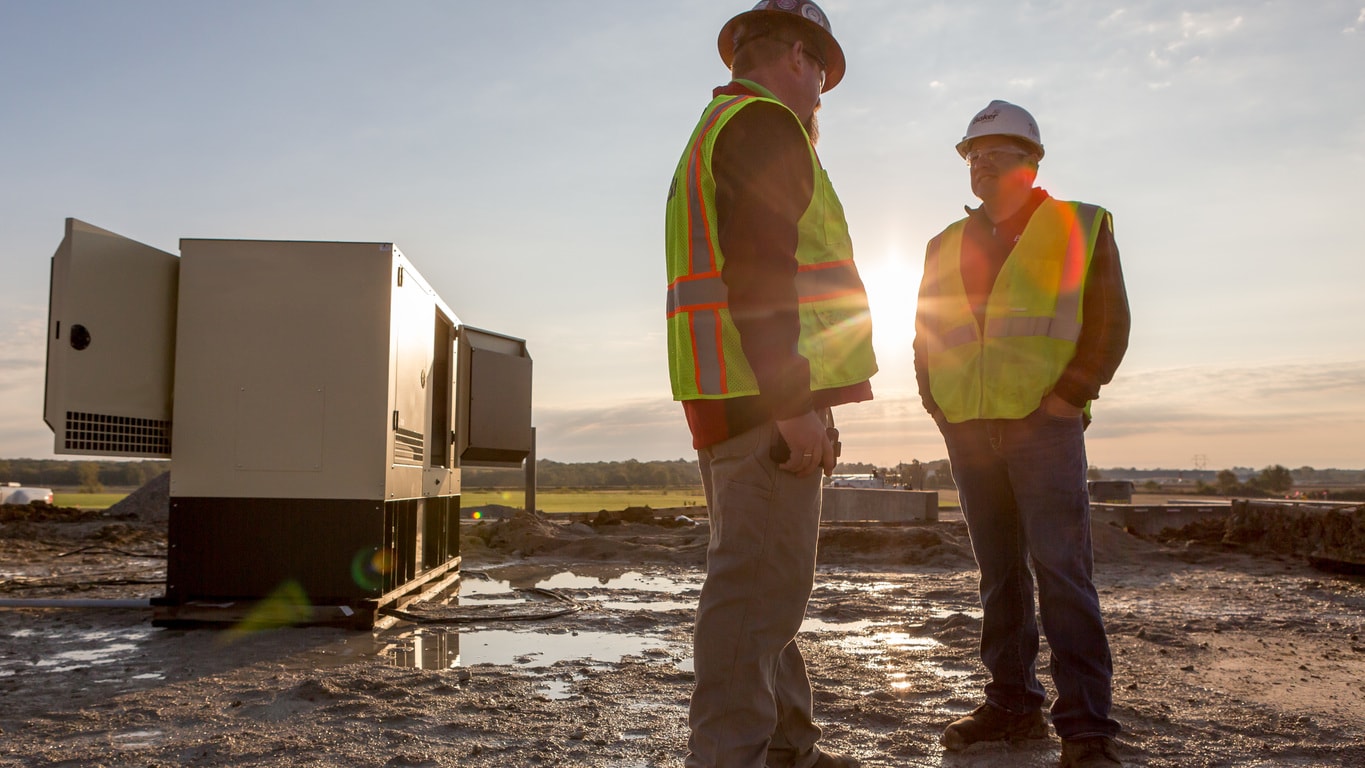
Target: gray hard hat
(804,12)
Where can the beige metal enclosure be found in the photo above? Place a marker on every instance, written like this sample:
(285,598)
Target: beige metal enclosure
(110,345)
(317,400)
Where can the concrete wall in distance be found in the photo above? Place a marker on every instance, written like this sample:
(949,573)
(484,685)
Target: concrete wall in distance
(1154,519)
(878,505)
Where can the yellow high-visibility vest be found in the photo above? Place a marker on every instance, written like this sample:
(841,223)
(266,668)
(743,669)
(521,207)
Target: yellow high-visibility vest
(704,353)
(1033,316)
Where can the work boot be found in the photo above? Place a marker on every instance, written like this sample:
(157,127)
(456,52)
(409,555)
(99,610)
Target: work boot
(991,723)
(1097,752)
(833,760)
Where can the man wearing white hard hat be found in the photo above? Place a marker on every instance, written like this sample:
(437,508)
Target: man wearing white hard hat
(768,330)
(1022,317)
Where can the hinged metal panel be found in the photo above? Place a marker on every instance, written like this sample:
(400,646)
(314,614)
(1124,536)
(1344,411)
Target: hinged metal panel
(110,345)
(494,399)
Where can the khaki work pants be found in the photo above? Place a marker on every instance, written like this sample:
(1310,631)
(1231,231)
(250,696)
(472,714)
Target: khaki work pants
(752,703)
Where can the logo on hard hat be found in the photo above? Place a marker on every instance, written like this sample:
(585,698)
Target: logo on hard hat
(985,118)
(786,5)
(813,13)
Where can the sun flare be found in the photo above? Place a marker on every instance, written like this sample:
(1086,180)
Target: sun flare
(892,283)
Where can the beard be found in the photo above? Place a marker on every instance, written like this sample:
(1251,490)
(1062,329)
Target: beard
(813,129)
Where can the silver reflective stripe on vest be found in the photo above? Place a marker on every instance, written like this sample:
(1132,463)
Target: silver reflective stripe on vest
(705,327)
(821,282)
(826,280)
(963,334)
(686,295)
(1052,327)
(699,244)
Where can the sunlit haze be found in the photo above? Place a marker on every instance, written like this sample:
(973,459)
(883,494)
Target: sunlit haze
(519,154)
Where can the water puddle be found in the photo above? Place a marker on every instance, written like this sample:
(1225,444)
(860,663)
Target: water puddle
(137,739)
(442,646)
(446,648)
(619,601)
(79,649)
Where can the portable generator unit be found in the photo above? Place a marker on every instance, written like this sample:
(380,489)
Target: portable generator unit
(317,400)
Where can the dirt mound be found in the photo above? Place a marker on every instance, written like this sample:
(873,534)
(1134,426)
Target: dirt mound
(942,544)
(534,535)
(150,503)
(643,515)
(1113,544)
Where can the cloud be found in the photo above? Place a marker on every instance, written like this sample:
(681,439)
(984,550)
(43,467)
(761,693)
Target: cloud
(1297,387)
(21,364)
(632,429)
(1287,412)
(1290,412)
(22,333)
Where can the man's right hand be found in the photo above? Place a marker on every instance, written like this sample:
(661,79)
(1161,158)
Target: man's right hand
(810,445)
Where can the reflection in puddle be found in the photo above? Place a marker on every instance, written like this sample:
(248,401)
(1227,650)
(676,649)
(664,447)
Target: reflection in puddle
(447,648)
(881,642)
(79,649)
(479,588)
(820,625)
(136,739)
(451,646)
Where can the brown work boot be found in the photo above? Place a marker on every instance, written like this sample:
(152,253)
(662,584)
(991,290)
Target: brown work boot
(832,760)
(991,723)
(835,760)
(1097,752)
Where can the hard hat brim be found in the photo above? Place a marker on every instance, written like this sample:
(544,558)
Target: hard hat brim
(834,55)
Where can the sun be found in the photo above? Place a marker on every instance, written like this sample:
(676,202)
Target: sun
(892,283)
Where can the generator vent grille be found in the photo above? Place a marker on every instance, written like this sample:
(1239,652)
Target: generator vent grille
(105,433)
(408,446)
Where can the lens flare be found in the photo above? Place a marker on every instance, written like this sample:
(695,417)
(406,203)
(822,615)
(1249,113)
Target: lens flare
(286,606)
(368,568)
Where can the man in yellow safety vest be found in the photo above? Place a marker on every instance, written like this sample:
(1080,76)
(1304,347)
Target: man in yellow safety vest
(768,329)
(1022,318)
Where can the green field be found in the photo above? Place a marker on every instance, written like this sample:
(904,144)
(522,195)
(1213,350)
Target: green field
(86,500)
(587,500)
(557,500)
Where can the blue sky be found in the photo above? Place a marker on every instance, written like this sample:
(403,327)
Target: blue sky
(519,153)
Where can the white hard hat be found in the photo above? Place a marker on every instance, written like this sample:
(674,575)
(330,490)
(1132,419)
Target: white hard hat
(1001,118)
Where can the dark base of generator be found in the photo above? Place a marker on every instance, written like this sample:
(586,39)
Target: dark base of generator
(286,562)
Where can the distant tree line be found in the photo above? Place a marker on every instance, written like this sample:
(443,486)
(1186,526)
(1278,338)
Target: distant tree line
(1246,475)
(680,473)
(91,476)
(1275,480)
(677,473)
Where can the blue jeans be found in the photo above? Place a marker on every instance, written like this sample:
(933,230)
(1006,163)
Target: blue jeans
(1021,485)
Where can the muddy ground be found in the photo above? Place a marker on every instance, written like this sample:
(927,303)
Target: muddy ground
(1223,657)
